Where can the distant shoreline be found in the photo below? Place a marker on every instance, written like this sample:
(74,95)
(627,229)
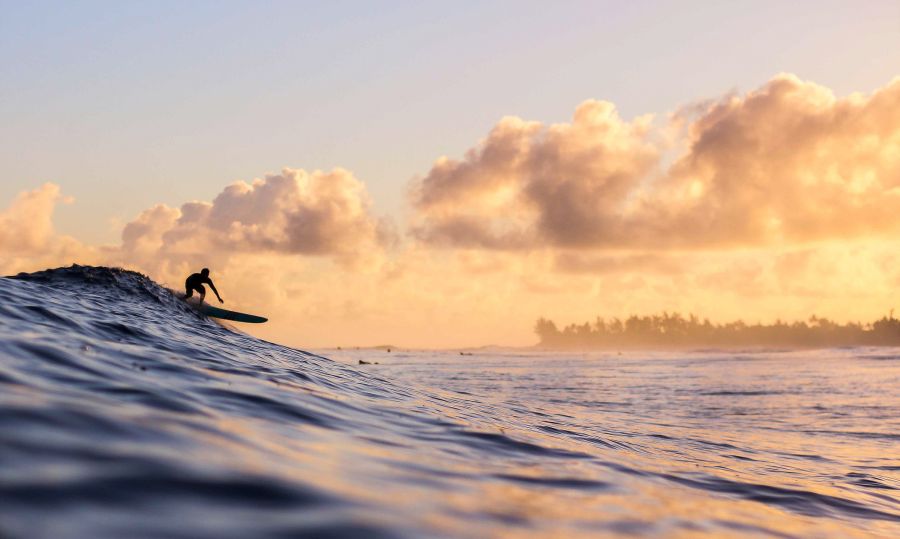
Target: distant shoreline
(609,349)
(674,331)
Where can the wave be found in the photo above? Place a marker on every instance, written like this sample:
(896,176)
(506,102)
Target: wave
(126,413)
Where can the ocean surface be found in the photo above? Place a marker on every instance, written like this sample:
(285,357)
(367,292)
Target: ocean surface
(124,413)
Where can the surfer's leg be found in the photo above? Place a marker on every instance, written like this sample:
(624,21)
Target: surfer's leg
(202,292)
(188,293)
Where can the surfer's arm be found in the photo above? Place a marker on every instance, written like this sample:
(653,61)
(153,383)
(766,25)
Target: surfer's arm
(211,285)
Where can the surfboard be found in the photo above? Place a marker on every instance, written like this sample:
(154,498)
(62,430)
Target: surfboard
(225,314)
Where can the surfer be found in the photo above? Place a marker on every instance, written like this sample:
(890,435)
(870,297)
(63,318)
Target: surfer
(196,281)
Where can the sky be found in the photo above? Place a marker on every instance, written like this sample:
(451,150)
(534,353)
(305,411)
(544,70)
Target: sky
(416,174)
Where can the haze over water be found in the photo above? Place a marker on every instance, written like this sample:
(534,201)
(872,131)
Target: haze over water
(124,413)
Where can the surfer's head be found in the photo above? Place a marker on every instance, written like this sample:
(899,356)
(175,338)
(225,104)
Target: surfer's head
(204,272)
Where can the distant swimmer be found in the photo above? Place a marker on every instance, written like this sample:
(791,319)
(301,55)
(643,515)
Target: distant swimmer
(196,282)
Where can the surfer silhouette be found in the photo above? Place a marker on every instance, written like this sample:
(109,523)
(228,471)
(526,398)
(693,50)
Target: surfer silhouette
(196,282)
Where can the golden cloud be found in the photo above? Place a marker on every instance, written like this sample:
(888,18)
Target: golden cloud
(27,236)
(783,164)
(27,224)
(294,212)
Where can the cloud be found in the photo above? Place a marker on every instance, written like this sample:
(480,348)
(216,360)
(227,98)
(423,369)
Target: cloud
(27,236)
(787,163)
(790,163)
(571,262)
(528,185)
(27,224)
(292,213)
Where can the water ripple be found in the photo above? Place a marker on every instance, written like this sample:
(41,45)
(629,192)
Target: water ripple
(125,413)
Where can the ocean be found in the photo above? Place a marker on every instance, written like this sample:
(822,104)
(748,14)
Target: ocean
(125,413)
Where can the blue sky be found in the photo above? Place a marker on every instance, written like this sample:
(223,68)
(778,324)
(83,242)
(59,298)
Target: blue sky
(130,104)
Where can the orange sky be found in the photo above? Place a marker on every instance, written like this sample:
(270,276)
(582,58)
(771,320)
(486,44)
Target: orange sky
(780,202)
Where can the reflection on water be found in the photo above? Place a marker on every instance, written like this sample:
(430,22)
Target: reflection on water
(125,414)
(771,442)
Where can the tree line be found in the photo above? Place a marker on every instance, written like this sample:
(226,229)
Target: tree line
(673,329)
